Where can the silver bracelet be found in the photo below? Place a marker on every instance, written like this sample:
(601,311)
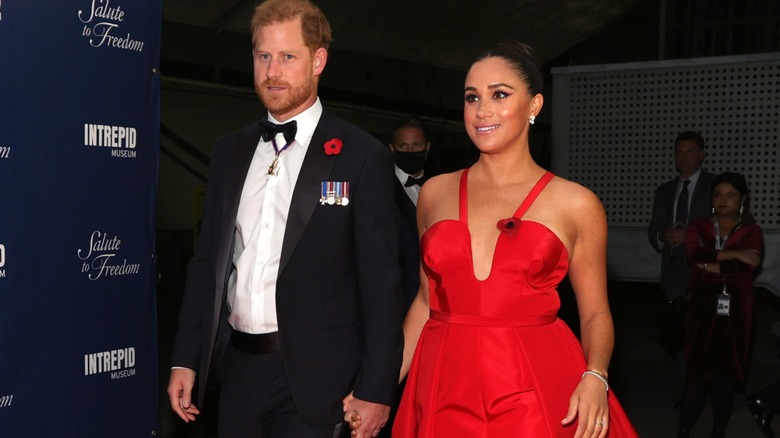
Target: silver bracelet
(598,376)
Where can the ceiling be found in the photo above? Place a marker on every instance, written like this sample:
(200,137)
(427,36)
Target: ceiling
(398,55)
(443,33)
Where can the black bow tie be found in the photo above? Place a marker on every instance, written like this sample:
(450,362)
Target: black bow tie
(268,130)
(414,181)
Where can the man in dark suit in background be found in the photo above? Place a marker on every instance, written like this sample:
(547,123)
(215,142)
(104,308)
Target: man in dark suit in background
(293,297)
(677,203)
(410,146)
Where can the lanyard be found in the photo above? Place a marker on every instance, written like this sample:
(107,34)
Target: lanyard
(719,244)
(724,300)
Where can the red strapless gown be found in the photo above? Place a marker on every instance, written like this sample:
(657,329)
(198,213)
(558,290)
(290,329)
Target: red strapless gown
(494,360)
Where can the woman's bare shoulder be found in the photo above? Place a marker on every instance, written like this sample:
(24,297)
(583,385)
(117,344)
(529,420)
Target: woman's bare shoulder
(575,195)
(442,183)
(438,197)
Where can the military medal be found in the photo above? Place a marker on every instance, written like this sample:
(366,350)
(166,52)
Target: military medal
(334,193)
(331,193)
(277,154)
(272,167)
(344,192)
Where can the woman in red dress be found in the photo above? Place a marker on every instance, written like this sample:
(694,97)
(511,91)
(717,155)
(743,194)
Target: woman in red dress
(485,353)
(725,251)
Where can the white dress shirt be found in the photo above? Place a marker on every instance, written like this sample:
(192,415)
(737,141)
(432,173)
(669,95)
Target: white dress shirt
(691,187)
(260,227)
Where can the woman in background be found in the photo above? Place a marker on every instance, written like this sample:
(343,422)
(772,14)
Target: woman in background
(725,251)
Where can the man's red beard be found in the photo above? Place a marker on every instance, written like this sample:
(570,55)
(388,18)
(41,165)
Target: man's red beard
(283,102)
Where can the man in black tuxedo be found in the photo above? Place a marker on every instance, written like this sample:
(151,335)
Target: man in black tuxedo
(293,297)
(677,203)
(410,146)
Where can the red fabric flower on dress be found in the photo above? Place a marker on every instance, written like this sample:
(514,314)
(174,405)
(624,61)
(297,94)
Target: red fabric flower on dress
(333,146)
(509,226)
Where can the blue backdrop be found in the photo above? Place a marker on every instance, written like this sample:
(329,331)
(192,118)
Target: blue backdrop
(79,128)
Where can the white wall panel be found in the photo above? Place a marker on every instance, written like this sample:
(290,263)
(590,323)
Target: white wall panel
(614,128)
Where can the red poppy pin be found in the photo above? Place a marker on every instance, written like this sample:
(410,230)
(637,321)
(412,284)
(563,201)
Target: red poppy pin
(333,146)
(509,225)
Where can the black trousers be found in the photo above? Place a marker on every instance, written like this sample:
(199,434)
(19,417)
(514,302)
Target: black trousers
(255,400)
(694,396)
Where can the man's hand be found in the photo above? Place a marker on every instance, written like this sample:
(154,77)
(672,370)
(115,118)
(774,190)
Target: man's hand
(674,235)
(369,418)
(180,393)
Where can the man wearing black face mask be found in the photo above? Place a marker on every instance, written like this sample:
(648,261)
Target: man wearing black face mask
(410,147)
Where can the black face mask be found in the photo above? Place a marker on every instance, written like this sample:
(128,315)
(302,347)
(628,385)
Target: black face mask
(410,162)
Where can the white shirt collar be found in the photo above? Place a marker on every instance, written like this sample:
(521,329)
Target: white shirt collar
(693,178)
(306,121)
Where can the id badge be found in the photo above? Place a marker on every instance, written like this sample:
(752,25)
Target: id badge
(724,304)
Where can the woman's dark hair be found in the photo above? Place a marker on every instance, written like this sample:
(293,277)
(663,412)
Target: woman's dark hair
(734,179)
(521,58)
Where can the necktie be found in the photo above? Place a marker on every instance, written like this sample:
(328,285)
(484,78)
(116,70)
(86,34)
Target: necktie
(268,130)
(411,181)
(681,214)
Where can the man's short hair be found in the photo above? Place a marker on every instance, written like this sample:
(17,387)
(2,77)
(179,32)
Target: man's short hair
(690,135)
(316,29)
(411,122)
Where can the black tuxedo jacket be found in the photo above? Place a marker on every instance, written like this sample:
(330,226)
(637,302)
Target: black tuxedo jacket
(339,303)
(675,271)
(410,246)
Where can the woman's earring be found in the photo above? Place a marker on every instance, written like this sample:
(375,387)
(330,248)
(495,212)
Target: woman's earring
(713,210)
(741,207)
(532,119)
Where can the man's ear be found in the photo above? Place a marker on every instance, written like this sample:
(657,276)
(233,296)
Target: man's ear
(320,59)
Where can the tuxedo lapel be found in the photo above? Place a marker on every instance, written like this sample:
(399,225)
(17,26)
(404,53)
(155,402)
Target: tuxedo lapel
(316,168)
(234,168)
(236,172)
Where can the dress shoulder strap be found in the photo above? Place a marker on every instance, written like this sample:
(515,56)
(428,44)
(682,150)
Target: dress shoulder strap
(463,197)
(534,193)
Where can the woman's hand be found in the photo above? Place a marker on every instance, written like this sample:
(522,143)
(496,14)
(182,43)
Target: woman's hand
(589,404)
(355,421)
(351,417)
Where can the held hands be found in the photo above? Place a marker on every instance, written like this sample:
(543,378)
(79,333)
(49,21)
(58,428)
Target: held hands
(589,404)
(180,393)
(365,419)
